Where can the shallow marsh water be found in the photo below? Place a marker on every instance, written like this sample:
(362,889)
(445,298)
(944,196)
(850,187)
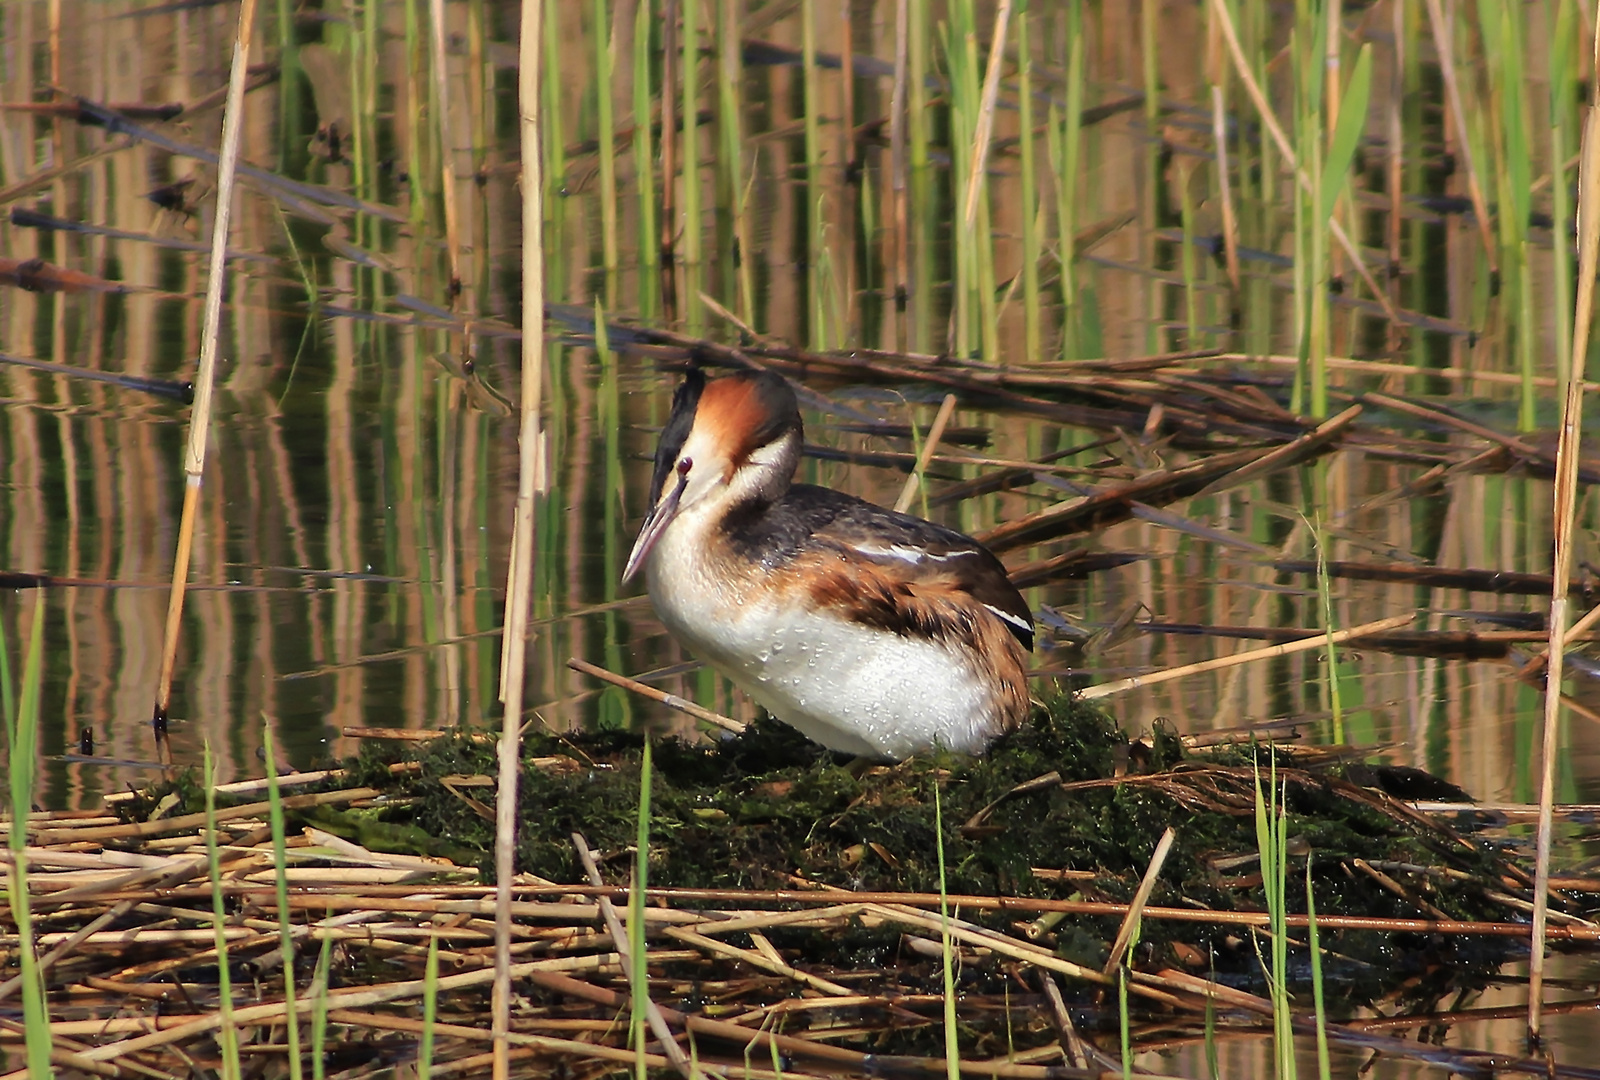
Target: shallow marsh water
(350,560)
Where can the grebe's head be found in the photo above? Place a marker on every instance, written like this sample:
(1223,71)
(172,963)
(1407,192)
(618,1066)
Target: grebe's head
(728,441)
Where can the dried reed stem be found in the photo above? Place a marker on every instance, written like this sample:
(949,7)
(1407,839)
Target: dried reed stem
(530,483)
(672,701)
(620,942)
(981,137)
(1130,921)
(935,433)
(1566,507)
(194,460)
(1094,693)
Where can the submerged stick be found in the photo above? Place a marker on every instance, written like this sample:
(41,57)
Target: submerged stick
(1566,507)
(194,460)
(671,701)
(1094,693)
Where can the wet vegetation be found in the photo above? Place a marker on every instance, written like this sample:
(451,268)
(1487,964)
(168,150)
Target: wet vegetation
(1250,321)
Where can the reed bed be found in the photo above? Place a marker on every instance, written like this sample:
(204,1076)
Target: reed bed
(138,910)
(802,174)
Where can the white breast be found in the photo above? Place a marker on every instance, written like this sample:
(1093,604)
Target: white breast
(848,686)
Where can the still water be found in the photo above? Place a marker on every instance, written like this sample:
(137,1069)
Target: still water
(350,557)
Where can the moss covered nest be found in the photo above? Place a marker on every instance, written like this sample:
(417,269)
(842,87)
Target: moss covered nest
(1069,792)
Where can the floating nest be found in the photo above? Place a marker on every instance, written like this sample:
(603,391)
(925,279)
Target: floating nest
(794,901)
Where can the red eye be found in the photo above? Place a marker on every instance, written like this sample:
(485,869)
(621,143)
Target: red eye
(684,466)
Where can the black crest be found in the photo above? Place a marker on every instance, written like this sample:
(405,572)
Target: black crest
(685,400)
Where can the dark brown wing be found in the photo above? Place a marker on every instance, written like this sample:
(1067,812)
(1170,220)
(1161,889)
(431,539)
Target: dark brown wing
(815,526)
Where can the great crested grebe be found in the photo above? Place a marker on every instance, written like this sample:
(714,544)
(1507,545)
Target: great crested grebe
(872,632)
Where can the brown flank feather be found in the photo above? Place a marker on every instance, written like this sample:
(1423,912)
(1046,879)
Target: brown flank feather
(938,608)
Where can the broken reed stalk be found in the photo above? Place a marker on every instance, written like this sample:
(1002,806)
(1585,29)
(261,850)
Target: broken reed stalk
(194,459)
(1566,508)
(671,701)
(1130,921)
(1094,693)
(935,433)
(985,127)
(447,178)
(530,483)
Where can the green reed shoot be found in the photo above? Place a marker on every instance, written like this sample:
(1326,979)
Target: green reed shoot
(1065,156)
(871,270)
(1514,179)
(319,1012)
(692,261)
(280,866)
(1324,1069)
(1155,312)
(420,135)
(1030,197)
(555,158)
(219,924)
(291,141)
(639,975)
(1188,260)
(1325,595)
(816,200)
(477,92)
(1124,1027)
(606,136)
(616,706)
(649,286)
(952,1042)
(430,1009)
(961,52)
(1213,1064)
(1271,842)
(730,112)
(22,730)
(1563,123)
(920,210)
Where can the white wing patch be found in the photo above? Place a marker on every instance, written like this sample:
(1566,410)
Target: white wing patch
(906,553)
(1019,623)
